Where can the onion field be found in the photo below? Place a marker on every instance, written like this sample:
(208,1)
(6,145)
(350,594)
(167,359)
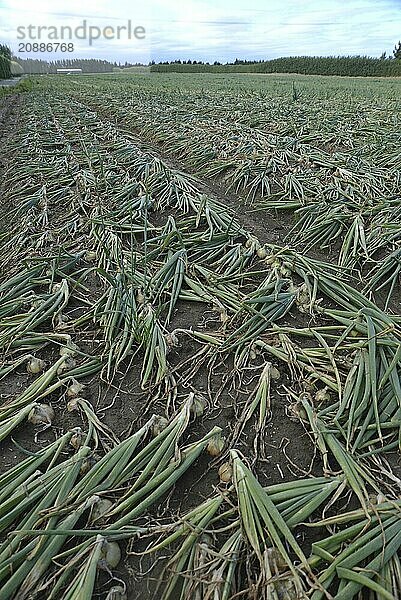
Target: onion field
(200,332)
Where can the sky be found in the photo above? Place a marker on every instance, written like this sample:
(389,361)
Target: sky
(206,30)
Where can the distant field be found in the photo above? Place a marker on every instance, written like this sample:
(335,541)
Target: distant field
(200,337)
(135,70)
(253,81)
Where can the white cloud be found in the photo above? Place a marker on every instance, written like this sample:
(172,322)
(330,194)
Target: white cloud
(96,13)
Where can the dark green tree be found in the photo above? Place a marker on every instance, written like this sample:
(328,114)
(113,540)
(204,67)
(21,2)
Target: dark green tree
(5,62)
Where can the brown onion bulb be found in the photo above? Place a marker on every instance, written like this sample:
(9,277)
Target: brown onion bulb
(216,445)
(41,414)
(111,556)
(35,366)
(225,472)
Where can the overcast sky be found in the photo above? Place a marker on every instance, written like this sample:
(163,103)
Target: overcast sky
(209,30)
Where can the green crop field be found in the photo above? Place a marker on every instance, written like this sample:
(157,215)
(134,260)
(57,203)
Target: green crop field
(200,337)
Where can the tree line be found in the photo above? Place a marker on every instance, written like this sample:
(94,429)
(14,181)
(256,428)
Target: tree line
(353,66)
(88,65)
